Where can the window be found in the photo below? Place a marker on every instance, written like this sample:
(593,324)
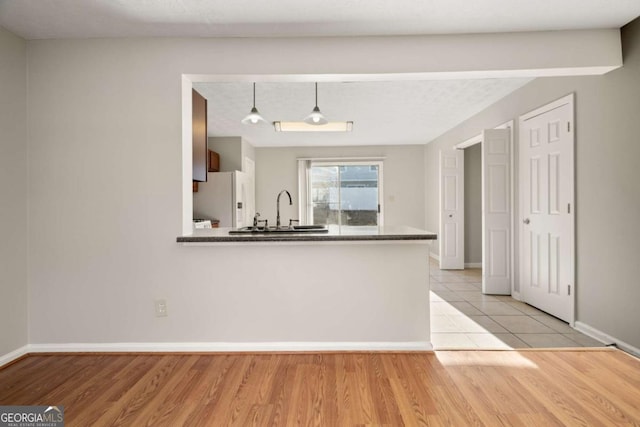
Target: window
(341,192)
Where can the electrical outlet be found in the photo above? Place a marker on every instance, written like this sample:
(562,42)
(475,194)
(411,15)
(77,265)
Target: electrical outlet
(161,308)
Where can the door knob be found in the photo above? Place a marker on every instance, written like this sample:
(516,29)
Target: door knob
(526,221)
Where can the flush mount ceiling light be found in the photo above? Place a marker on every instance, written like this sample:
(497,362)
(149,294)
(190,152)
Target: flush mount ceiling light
(254,116)
(316,117)
(306,127)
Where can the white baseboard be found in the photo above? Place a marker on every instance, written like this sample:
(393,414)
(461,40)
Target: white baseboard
(15,354)
(466,264)
(606,338)
(229,347)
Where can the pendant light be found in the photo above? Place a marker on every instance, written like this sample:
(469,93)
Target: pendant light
(316,117)
(254,116)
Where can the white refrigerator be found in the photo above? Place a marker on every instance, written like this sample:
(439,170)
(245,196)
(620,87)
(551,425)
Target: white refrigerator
(228,197)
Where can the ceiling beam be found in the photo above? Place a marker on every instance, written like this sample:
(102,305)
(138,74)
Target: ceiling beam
(503,55)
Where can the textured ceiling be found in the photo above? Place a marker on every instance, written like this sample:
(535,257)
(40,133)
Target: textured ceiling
(394,112)
(399,112)
(42,19)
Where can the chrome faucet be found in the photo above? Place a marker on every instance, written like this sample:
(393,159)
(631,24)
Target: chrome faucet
(278,206)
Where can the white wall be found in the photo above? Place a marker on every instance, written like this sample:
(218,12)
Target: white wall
(472,204)
(105,175)
(230,150)
(248,150)
(13,193)
(607,176)
(403,176)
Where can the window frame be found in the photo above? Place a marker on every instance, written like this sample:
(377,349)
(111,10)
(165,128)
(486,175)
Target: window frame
(305,207)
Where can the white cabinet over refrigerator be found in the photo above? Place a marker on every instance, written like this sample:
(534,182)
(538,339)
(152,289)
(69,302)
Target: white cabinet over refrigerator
(226,196)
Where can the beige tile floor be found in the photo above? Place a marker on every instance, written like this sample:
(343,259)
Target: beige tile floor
(463,318)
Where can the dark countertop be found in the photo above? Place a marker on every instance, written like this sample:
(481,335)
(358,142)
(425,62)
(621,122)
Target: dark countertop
(335,234)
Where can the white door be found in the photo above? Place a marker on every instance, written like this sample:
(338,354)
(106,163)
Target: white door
(451,238)
(496,211)
(546,195)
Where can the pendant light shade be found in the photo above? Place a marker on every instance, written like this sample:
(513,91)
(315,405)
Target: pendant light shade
(254,116)
(316,117)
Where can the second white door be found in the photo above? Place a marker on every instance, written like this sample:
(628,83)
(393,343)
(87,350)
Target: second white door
(496,211)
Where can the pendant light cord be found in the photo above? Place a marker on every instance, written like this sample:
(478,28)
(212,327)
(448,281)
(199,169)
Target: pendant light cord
(254,94)
(316,94)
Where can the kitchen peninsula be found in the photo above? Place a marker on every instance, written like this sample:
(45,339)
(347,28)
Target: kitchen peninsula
(351,288)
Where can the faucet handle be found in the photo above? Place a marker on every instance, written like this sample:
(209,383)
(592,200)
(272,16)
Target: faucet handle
(255,219)
(291,221)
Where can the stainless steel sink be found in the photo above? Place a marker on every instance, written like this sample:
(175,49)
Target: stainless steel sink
(282,230)
(310,227)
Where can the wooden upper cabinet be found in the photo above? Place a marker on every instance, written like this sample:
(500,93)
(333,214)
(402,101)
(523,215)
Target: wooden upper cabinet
(199,126)
(214,161)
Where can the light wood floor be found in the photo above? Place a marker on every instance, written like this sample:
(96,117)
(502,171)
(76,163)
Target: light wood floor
(458,388)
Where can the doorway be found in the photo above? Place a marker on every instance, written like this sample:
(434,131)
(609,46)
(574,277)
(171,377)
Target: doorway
(344,193)
(341,192)
(496,194)
(473,206)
